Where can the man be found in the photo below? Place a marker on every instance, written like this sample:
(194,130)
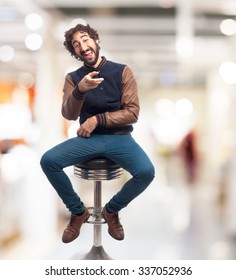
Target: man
(103,94)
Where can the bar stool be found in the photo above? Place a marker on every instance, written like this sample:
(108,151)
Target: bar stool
(98,170)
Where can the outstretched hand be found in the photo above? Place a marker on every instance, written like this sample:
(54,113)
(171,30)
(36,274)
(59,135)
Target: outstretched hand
(89,82)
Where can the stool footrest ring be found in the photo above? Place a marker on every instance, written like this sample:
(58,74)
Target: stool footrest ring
(95,217)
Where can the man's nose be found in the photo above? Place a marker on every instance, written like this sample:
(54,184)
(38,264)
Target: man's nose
(83,46)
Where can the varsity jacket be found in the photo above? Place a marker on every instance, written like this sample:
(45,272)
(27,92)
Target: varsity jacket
(114,102)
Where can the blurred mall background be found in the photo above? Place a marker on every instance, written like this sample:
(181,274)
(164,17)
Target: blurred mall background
(182,53)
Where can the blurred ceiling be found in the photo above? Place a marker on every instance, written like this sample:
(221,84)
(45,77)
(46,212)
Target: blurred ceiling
(142,34)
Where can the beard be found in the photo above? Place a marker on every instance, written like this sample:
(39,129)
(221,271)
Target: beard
(90,62)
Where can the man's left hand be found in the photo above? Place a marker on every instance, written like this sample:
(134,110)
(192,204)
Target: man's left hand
(87,127)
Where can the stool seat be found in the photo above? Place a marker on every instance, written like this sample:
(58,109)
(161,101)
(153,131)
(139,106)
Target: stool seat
(100,168)
(98,163)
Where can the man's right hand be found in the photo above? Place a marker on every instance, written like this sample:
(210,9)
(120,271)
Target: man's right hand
(88,82)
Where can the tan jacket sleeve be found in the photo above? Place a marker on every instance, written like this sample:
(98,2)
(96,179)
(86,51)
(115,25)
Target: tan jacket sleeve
(130,102)
(72,101)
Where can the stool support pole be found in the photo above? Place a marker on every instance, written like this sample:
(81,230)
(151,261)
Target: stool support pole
(97,232)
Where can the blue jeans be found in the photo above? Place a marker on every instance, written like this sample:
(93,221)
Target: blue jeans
(120,148)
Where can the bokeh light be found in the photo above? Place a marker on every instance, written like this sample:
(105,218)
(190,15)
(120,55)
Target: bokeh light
(228,27)
(6,53)
(33,21)
(33,41)
(184,107)
(227,71)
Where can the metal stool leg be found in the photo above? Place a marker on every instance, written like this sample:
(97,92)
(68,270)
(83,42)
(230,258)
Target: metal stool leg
(97,251)
(97,228)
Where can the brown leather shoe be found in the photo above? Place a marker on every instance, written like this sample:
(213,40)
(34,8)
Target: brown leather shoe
(72,230)
(115,228)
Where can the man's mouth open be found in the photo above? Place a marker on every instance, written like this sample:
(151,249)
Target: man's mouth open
(88,54)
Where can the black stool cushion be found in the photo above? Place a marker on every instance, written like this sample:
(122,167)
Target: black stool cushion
(98,164)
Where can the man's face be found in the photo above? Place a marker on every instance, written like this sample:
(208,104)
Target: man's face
(86,48)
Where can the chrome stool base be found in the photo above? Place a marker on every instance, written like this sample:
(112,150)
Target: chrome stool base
(96,253)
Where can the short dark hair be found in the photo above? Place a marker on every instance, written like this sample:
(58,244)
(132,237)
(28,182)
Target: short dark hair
(70,33)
